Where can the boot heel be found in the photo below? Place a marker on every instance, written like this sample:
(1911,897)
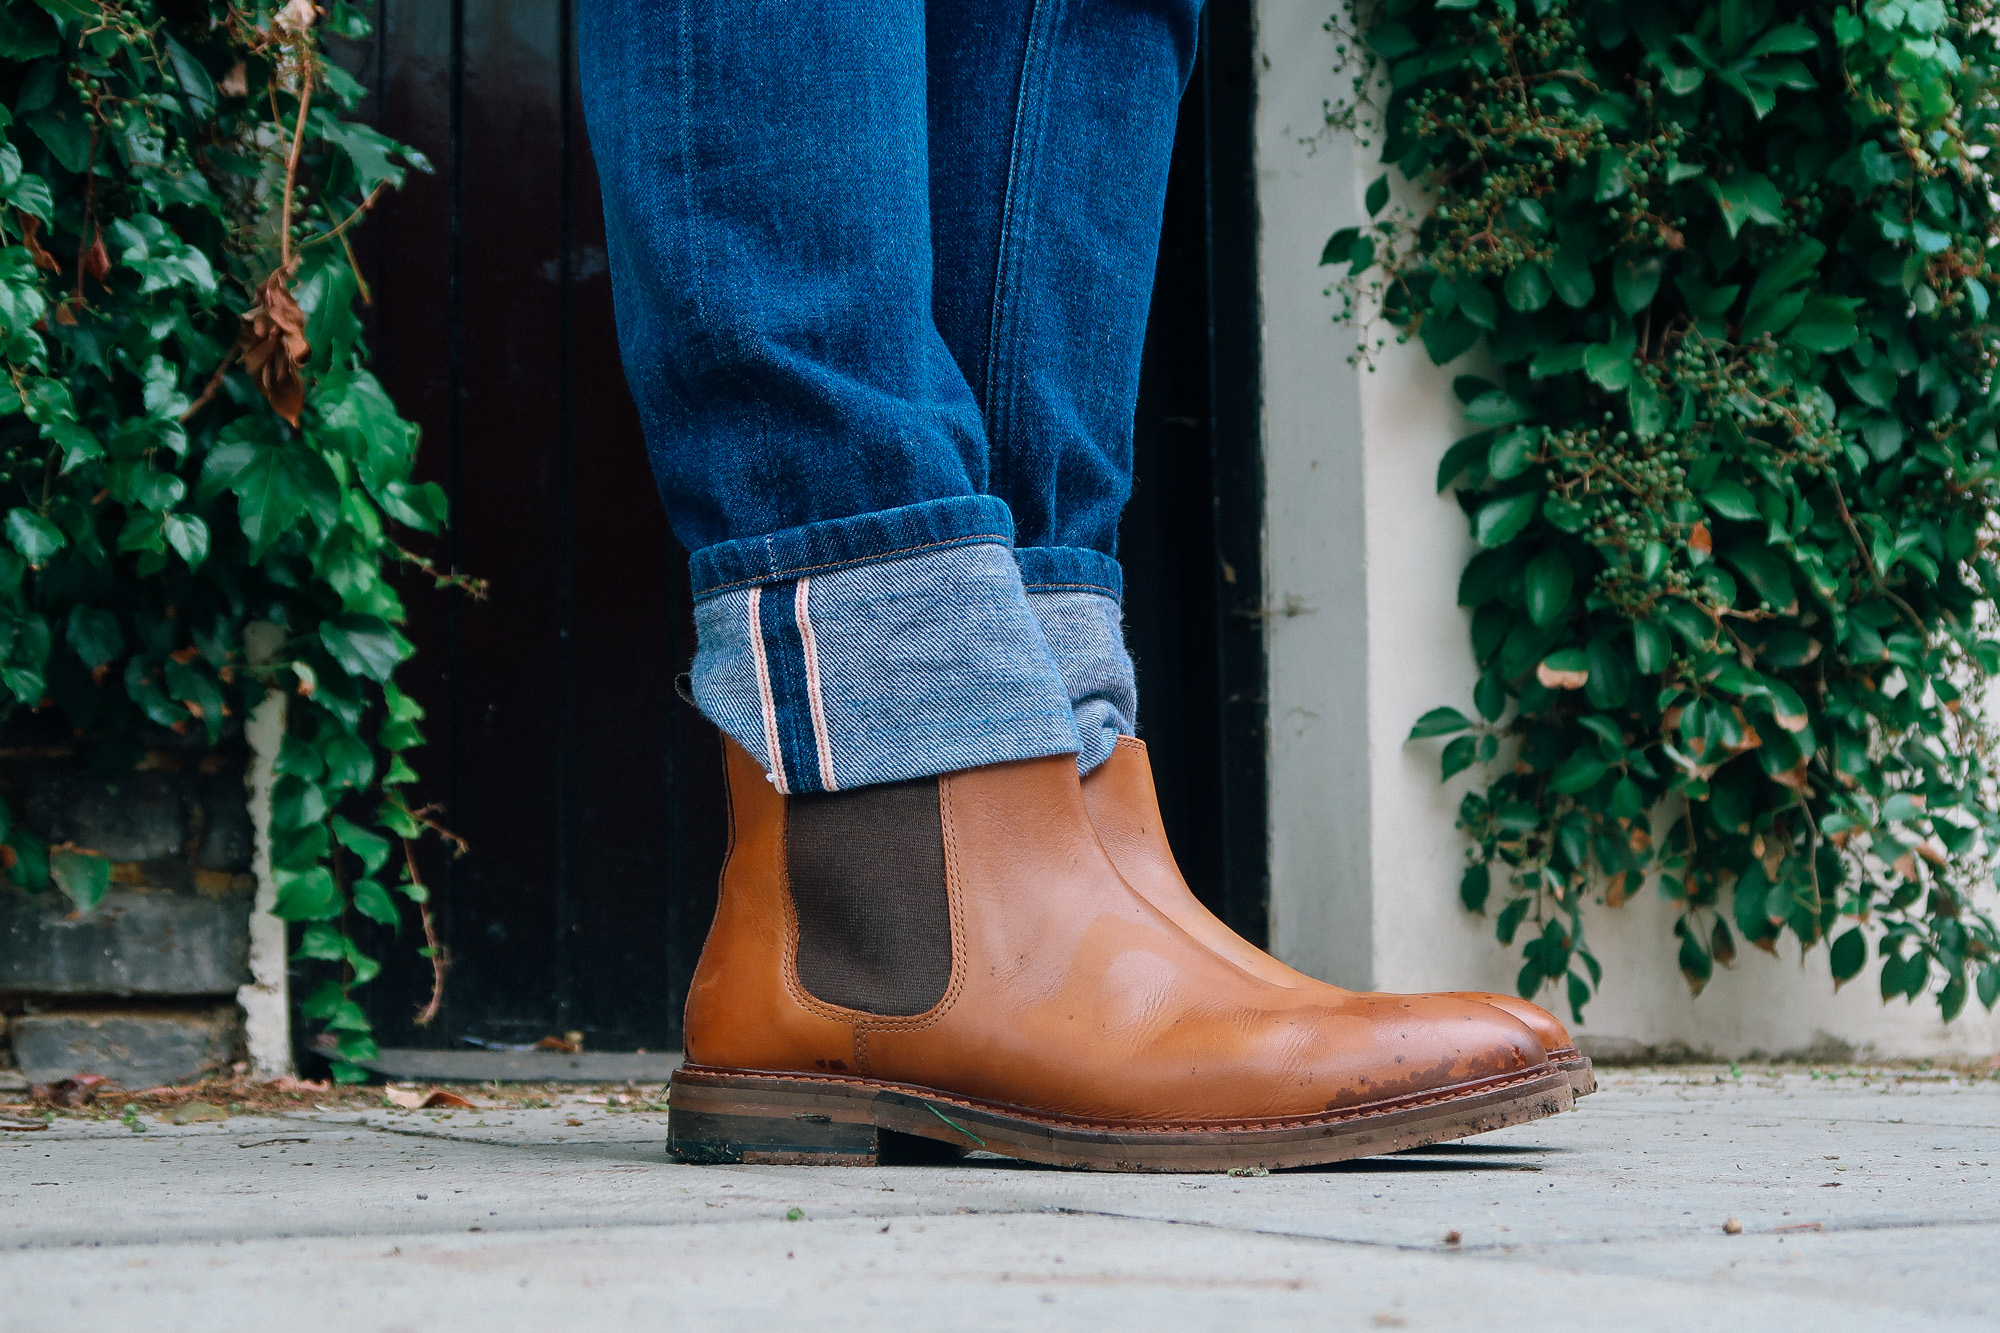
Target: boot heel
(717,1121)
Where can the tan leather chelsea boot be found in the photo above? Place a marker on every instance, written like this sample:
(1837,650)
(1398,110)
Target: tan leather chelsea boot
(1125,809)
(957,959)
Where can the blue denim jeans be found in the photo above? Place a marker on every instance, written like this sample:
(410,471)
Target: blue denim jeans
(882,270)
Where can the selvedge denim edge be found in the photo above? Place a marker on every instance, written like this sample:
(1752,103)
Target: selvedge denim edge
(888,646)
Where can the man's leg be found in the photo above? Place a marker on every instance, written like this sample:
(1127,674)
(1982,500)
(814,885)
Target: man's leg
(1052,124)
(954,956)
(765,172)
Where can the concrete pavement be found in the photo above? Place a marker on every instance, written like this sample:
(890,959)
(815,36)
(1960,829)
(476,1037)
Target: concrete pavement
(1863,1197)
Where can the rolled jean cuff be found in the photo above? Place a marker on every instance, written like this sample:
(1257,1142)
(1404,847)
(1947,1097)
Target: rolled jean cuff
(843,543)
(1075,596)
(837,670)
(1070,569)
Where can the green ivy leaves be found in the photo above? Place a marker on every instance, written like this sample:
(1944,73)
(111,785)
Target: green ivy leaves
(1731,265)
(156,509)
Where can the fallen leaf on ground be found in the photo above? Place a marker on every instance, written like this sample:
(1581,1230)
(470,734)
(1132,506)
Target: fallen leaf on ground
(71,1092)
(286,1083)
(573,1122)
(189,1113)
(412,1100)
(558,1044)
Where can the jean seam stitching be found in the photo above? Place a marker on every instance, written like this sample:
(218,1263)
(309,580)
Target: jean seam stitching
(999,410)
(728,349)
(1069,587)
(974,539)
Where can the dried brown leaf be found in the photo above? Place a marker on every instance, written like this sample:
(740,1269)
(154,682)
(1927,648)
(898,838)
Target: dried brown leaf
(274,345)
(296,17)
(1795,778)
(31,228)
(96,259)
(71,1092)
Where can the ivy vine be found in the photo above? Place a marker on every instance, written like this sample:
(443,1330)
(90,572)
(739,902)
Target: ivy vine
(1729,267)
(201,482)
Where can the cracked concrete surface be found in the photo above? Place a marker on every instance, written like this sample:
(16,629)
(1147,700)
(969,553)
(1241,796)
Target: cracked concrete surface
(1864,1197)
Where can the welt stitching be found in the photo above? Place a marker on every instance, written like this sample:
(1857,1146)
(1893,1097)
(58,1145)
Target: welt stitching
(776,576)
(1417,1102)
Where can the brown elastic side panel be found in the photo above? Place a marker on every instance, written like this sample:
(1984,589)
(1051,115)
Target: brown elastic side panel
(867,873)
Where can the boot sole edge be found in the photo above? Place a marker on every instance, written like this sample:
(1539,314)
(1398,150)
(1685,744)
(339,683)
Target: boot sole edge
(759,1117)
(1582,1078)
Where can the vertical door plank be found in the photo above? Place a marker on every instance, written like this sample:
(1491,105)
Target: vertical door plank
(406,248)
(507,895)
(630,629)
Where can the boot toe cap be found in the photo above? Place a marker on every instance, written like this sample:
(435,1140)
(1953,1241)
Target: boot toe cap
(1548,1029)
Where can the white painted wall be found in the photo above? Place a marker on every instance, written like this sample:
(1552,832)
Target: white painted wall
(1317,595)
(266,998)
(1364,635)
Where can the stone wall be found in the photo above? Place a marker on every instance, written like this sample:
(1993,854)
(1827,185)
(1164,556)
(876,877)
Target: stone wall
(140,989)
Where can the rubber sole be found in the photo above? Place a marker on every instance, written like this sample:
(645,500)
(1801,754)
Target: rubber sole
(1582,1077)
(729,1116)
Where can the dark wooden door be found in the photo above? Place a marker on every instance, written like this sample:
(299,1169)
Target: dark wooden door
(588,791)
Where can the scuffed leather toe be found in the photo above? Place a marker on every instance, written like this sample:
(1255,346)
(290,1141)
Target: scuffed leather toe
(1548,1029)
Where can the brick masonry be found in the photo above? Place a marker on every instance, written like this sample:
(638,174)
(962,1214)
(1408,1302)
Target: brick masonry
(134,1048)
(139,989)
